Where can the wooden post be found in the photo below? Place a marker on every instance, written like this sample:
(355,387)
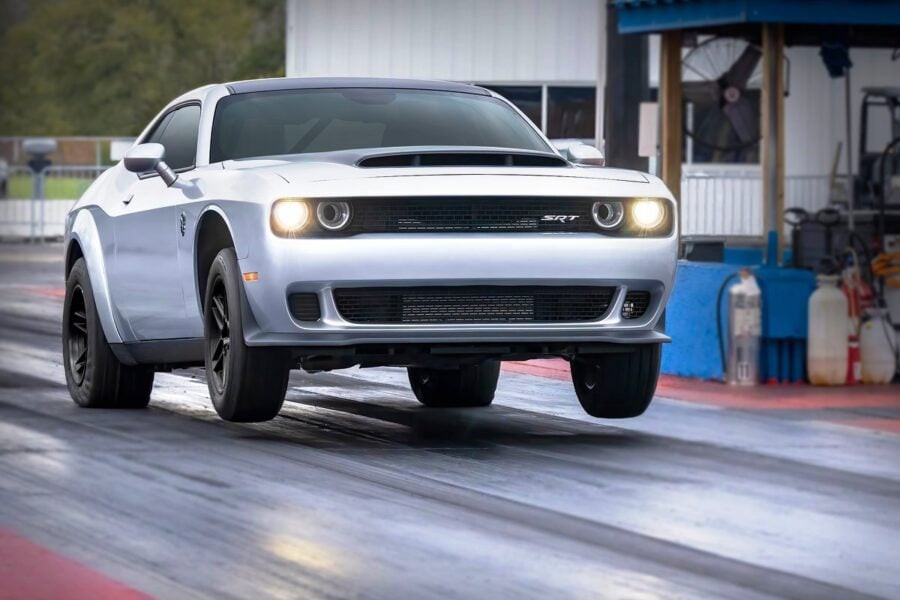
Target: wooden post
(671,116)
(772,141)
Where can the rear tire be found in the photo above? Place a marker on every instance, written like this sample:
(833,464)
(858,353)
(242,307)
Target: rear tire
(94,376)
(617,386)
(246,384)
(466,386)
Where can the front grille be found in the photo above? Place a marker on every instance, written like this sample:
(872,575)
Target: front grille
(399,215)
(473,304)
(635,304)
(305,306)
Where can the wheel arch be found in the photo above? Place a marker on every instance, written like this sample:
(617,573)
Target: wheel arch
(73,253)
(84,241)
(213,234)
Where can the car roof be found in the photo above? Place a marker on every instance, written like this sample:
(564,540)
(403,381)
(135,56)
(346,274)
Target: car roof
(299,83)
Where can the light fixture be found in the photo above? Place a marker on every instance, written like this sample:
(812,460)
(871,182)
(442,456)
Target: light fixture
(648,213)
(290,216)
(333,215)
(608,214)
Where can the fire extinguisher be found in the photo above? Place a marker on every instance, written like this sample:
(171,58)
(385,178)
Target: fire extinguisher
(859,297)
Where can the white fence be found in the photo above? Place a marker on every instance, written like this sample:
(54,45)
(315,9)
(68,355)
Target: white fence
(731,205)
(712,204)
(23,217)
(33,219)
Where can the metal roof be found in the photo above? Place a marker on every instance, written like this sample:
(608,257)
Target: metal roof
(648,16)
(299,83)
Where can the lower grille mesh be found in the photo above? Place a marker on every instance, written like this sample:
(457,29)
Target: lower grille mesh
(473,304)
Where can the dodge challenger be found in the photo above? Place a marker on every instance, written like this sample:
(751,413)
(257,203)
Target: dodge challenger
(261,226)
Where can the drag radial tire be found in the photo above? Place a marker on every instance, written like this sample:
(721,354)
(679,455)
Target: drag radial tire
(94,376)
(246,384)
(617,386)
(466,386)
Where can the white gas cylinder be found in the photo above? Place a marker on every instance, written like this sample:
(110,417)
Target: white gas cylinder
(826,350)
(744,329)
(877,341)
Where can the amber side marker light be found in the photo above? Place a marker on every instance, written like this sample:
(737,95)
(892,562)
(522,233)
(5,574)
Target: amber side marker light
(251,276)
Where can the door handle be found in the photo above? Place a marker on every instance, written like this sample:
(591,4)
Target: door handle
(128,199)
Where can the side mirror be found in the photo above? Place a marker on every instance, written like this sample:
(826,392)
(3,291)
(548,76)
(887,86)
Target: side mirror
(585,155)
(149,157)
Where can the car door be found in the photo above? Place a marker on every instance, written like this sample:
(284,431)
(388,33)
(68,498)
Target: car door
(148,291)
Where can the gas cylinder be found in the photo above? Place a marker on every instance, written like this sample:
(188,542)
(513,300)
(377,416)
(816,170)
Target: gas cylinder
(878,345)
(826,351)
(744,328)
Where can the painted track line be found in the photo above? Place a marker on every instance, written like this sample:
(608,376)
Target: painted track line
(29,570)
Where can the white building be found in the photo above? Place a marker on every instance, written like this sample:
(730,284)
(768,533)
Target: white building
(547,56)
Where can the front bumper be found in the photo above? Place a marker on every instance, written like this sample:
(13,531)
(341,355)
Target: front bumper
(319,265)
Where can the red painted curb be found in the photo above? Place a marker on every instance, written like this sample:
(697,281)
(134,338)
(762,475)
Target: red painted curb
(761,397)
(33,572)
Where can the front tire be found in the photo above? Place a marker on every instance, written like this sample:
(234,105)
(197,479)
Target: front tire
(617,386)
(94,376)
(246,384)
(466,386)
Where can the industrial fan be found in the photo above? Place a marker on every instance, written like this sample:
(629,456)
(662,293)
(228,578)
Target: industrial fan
(721,79)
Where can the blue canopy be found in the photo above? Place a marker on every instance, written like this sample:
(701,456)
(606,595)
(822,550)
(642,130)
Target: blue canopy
(650,16)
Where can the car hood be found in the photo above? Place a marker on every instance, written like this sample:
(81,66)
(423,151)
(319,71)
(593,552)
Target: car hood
(345,165)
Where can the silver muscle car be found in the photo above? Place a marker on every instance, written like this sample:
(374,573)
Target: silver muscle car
(262,226)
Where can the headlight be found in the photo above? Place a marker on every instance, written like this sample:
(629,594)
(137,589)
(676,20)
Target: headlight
(333,215)
(608,214)
(290,216)
(647,213)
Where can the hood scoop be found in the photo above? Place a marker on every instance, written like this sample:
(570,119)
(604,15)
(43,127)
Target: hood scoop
(461,159)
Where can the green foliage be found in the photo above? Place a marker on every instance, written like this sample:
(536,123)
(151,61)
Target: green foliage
(65,188)
(106,67)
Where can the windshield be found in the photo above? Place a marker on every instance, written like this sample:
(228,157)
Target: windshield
(324,120)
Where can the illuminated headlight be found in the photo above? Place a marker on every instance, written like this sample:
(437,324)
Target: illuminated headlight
(647,213)
(290,216)
(608,214)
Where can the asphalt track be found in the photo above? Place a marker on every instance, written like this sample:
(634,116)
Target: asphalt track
(357,491)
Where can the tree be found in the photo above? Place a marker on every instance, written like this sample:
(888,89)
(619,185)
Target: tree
(106,67)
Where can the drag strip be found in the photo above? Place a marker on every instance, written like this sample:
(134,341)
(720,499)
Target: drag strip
(356,490)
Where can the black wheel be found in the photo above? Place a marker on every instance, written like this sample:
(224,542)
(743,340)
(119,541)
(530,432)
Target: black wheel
(246,384)
(94,376)
(617,386)
(468,385)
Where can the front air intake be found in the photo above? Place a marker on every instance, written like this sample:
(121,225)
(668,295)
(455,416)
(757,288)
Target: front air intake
(635,305)
(305,306)
(462,159)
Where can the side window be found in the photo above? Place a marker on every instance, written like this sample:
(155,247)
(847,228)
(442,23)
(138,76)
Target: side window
(177,132)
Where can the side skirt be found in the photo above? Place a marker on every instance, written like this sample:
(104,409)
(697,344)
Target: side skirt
(163,354)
